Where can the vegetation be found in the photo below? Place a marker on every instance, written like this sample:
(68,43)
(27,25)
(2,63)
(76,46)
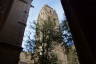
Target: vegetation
(48,32)
(69,44)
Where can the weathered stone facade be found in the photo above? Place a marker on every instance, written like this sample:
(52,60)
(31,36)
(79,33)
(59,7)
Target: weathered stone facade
(49,15)
(26,58)
(58,48)
(13,17)
(13,28)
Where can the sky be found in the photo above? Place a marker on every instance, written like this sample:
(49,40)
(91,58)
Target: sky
(38,4)
(33,15)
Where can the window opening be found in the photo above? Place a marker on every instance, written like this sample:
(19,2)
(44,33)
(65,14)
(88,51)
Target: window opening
(47,38)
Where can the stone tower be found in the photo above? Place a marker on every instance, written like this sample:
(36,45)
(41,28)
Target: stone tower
(47,15)
(48,23)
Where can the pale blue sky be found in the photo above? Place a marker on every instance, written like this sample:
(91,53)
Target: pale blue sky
(33,15)
(38,4)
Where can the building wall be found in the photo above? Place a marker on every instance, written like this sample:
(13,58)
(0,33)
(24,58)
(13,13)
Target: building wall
(13,29)
(11,34)
(9,54)
(4,10)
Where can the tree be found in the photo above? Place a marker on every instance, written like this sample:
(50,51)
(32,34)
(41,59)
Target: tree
(47,32)
(70,47)
(66,33)
(29,43)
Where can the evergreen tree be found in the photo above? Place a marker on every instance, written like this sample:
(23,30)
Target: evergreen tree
(29,43)
(67,36)
(69,44)
(47,32)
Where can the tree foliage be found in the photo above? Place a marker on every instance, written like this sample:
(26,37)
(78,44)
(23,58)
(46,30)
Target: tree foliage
(69,44)
(48,33)
(66,34)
